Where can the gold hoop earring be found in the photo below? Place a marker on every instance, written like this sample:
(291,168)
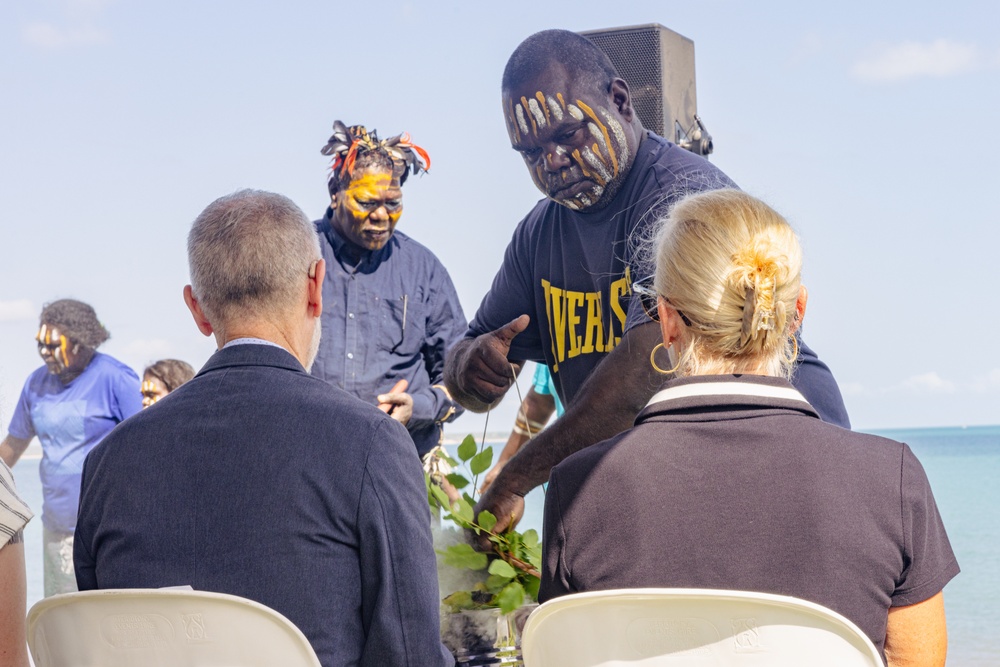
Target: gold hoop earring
(652,362)
(795,350)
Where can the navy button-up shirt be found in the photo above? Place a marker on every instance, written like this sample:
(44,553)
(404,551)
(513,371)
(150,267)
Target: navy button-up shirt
(390,316)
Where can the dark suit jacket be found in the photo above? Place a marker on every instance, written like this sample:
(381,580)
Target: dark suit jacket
(258,480)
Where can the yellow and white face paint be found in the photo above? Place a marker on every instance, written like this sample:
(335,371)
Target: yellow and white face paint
(574,147)
(367,210)
(153,390)
(53,348)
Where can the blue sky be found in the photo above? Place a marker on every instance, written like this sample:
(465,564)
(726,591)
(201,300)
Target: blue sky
(871,126)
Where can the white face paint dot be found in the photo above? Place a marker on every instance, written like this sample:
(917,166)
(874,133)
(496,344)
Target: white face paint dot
(537,112)
(555,109)
(574,112)
(598,135)
(521,122)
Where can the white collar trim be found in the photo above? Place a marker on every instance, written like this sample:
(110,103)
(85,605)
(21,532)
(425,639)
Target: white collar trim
(727,389)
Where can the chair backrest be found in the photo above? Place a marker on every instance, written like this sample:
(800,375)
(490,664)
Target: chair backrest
(683,626)
(162,628)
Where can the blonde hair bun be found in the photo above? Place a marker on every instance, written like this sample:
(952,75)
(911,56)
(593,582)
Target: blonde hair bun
(732,265)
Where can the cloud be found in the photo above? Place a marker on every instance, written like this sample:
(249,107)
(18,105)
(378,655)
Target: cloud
(912,60)
(48,36)
(79,27)
(928,383)
(17,311)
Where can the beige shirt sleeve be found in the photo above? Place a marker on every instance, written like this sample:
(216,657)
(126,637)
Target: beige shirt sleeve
(14,513)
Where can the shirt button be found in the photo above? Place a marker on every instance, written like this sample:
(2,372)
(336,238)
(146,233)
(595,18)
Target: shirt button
(350,355)
(350,315)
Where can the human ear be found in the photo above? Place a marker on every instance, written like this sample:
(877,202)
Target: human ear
(204,326)
(670,322)
(317,271)
(800,308)
(621,98)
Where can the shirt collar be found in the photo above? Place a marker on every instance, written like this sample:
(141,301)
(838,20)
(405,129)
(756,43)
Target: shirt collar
(732,391)
(368,257)
(250,340)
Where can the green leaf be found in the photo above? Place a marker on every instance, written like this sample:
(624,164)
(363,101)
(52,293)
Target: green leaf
(459,600)
(469,499)
(482,461)
(464,556)
(462,511)
(510,598)
(444,456)
(440,496)
(502,568)
(530,538)
(494,583)
(457,480)
(531,584)
(468,448)
(486,520)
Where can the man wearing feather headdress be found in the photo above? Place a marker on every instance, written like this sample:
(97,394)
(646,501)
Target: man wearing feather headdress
(391,308)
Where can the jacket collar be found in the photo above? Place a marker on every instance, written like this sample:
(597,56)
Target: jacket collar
(731,396)
(252,355)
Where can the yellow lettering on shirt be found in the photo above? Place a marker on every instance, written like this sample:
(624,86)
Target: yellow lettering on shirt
(593,332)
(578,323)
(557,322)
(573,302)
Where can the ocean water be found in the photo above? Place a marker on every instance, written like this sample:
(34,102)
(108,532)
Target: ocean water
(963,465)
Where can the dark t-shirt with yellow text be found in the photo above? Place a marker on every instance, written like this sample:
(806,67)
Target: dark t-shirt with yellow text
(572,272)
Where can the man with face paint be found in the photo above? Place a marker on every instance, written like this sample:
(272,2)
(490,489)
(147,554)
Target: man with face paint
(392,308)
(564,296)
(70,403)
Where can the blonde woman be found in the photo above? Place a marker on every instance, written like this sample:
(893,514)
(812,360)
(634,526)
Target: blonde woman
(729,479)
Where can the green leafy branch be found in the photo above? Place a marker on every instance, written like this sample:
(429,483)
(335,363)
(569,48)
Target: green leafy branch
(514,564)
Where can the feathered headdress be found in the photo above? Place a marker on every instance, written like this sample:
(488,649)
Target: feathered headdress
(348,143)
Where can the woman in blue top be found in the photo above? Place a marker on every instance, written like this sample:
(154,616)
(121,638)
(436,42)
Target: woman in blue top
(70,403)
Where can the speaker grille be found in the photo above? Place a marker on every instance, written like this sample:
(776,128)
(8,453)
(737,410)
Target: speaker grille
(635,53)
(658,65)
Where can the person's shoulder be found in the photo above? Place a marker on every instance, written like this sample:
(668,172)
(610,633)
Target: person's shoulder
(37,377)
(325,403)
(575,467)
(108,363)
(671,163)
(409,246)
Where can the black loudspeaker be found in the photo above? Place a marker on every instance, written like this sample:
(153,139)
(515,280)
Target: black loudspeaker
(658,65)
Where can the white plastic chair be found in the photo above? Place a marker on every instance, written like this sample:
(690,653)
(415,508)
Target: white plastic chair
(685,626)
(162,628)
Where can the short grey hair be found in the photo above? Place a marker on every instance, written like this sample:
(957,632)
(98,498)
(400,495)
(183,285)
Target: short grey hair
(248,253)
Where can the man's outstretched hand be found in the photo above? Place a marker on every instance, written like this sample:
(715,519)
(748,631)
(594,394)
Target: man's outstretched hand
(482,372)
(507,507)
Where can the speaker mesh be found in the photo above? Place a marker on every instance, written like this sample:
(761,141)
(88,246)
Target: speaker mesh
(635,53)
